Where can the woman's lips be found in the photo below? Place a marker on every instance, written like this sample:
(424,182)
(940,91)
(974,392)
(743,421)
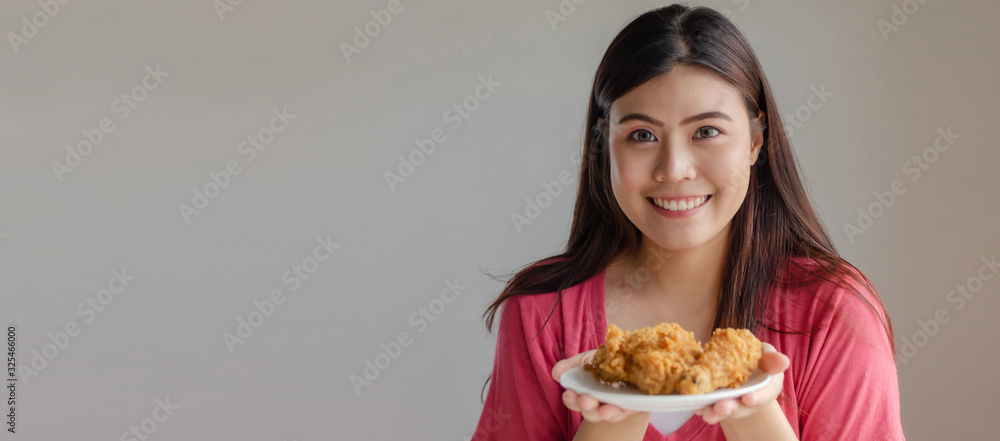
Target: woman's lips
(679,207)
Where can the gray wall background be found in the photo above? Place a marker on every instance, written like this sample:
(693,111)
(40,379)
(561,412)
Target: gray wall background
(161,337)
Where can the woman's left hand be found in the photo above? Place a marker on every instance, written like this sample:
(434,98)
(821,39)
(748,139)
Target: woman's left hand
(771,362)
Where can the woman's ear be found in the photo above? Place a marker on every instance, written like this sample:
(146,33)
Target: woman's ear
(757,142)
(757,136)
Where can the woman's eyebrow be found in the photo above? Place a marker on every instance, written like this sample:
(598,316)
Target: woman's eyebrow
(688,120)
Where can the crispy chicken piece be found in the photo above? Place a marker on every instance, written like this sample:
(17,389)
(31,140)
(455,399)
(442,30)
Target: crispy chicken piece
(653,359)
(729,358)
(609,362)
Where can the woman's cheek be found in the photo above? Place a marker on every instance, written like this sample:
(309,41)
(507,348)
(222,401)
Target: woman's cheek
(631,175)
(737,173)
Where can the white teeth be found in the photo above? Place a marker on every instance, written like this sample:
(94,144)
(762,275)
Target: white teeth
(680,206)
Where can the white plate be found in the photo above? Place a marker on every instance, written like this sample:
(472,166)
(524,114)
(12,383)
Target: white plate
(629,397)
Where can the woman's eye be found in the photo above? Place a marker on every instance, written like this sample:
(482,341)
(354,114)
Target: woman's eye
(707,132)
(647,136)
(642,136)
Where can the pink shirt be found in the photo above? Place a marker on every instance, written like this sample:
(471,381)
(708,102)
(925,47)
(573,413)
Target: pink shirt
(841,382)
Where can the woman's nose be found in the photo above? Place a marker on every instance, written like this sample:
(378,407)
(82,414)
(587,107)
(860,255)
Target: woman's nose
(675,164)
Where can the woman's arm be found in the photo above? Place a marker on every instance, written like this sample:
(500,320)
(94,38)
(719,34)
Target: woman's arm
(522,403)
(755,416)
(601,421)
(767,423)
(633,427)
(849,389)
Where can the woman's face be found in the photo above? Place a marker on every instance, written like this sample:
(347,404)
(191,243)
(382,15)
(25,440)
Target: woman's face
(682,140)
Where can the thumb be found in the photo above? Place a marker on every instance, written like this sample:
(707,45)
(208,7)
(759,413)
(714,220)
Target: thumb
(564,365)
(774,362)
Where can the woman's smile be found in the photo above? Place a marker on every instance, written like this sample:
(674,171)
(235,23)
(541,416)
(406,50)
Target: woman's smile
(679,207)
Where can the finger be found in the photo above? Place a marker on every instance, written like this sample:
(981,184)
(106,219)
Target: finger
(587,403)
(725,407)
(590,414)
(589,408)
(570,400)
(719,411)
(710,416)
(610,412)
(708,413)
(765,395)
(774,363)
(750,399)
(625,413)
(562,366)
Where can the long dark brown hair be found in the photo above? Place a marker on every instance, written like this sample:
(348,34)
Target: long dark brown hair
(776,221)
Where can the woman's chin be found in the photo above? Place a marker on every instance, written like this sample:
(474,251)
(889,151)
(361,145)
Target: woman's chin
(678,244)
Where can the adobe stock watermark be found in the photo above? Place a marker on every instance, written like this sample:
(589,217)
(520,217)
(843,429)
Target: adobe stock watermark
(31,27)
(293,277)
(164,409)
(89,310)
(363,35)
(420,320)
(223,7)
(562,12)
(219,180)
(637,278)
(493,421)
(803,113)
(959,296)
(899,16)
(551,190)
(915,168)
(122,107)
(426,147)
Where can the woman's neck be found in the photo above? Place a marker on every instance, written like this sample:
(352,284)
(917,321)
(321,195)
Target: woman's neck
(681,281)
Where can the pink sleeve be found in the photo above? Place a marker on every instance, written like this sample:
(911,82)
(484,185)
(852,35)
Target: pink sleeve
(523,401)
(851,391)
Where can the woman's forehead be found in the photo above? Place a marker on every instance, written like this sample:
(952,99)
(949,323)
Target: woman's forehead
(678,94)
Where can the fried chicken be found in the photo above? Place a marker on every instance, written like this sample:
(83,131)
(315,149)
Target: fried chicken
(652,359)
(665,358)
(609,363)
(730,356)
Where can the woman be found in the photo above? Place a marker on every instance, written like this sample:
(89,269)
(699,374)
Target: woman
(691,210)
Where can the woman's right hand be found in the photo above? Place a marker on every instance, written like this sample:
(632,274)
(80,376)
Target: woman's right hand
(588,406)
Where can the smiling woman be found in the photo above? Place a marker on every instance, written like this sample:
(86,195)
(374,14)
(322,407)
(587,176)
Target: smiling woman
(686,160)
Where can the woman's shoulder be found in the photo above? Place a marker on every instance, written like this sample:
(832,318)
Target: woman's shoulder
(826,289)
(555,309)
(819,275)
(832,311)
(572,295)
(834,299)
(574,298)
